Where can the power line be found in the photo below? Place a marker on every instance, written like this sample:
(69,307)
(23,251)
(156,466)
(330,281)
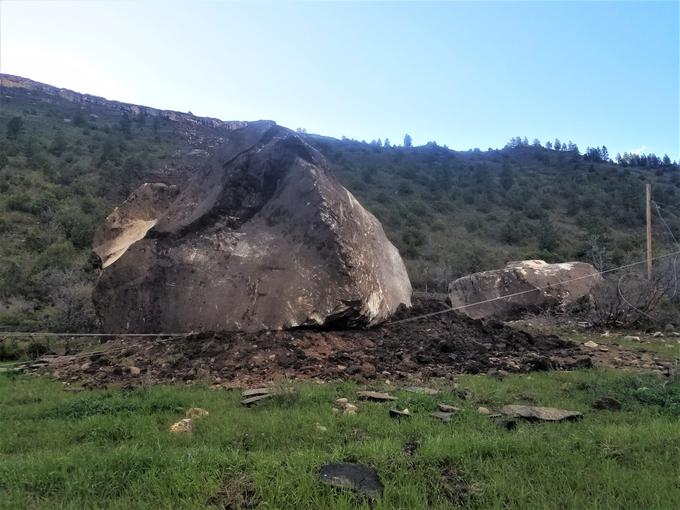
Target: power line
(409,319)
(658,212)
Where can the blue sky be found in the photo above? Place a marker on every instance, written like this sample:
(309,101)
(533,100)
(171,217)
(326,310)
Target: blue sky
(462,74)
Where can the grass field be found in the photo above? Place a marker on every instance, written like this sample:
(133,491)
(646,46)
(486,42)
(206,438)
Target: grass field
(113,449)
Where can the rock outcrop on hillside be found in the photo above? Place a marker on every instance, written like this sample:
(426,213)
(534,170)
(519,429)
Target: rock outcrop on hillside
(8,81)
(540,286)
(261,238)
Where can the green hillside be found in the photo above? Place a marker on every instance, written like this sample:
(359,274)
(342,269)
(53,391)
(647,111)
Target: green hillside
(66,160)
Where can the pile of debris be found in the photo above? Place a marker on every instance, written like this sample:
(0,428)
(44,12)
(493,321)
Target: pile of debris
(435,346)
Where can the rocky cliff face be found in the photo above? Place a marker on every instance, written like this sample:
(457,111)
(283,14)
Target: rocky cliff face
(8,81)
(262,237)
(540,286)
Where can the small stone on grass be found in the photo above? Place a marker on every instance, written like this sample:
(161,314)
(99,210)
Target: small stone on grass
(356,477)
(375,396)
(185,426)
(397,414)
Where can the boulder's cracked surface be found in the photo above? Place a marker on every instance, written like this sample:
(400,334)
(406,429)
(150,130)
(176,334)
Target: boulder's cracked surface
(532,286)
(263,237)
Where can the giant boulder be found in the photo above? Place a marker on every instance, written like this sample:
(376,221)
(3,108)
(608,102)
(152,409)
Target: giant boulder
(261,238)
(532,286)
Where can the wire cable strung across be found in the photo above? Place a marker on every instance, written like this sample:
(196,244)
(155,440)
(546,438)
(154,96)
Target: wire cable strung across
(409,319)
(535,289)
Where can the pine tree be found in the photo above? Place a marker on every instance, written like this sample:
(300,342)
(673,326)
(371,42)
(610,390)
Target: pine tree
(408,141)
(557,145)
(604,153)
(14,127)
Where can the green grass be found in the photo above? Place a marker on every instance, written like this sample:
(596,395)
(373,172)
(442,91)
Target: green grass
(112,448)
(667,347)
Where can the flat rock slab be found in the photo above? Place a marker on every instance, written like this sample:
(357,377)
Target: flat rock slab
(397,414)
(440,415)
(256,391)
(534,413)
(357,477)
(375,396)
(254,400)
(446,408)
(421,390)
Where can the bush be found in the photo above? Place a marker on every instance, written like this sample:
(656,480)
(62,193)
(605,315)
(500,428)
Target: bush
(9,350)
(36,349)
(59,255)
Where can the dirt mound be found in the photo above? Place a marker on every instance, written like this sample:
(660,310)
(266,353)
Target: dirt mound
(437,346)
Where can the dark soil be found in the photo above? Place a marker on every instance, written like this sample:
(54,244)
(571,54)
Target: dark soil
(436,346)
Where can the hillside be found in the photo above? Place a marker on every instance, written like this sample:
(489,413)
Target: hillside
(67,159)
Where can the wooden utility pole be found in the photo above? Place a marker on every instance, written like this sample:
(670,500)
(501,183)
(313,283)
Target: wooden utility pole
(648,188)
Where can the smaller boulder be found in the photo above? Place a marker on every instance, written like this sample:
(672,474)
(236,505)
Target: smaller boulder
(196,412)
(185,426)
(530,286)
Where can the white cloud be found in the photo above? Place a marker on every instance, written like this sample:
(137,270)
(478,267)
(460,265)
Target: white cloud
(640,150)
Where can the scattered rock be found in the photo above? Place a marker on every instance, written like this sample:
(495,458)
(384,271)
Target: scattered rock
(604,349)
(196,412)
(135,371)
(590,344)
(396,413)
(184,426)
(483,410)
(446,408)
(606,334)
(351,409)
(607,404)
(256,391)
(502,374)
(410,448)
(464,394)
(320,427)
(533,413)
(343,406)
(657,334)
(367,370)
(443,416)
(421,390)
(357,477)
(375,396)
(254,400)
(631,338)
